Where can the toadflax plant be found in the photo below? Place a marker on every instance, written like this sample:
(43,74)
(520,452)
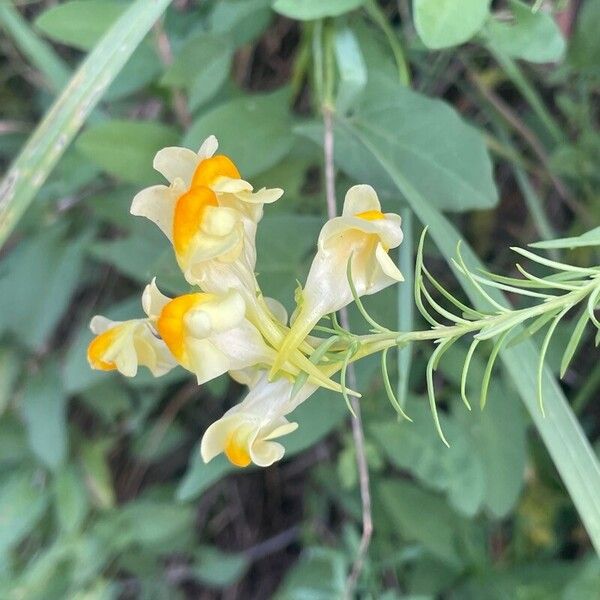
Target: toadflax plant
(210,215)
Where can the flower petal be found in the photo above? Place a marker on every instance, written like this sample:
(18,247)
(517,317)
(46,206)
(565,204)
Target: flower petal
(156,203)
(175,162)
(153,300)
(264,454)
(215,437)
(229,185)
(218,315)
(205,360)
(387,264)
(209,146)
(100,324)
(360,199)
(262,196)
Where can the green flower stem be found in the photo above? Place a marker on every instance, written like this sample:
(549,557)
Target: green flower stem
(489,326)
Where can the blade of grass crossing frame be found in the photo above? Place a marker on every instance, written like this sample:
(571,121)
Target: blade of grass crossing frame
(68,113)
(566,442)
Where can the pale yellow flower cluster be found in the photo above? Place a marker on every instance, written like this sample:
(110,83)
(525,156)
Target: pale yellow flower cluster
(210,215)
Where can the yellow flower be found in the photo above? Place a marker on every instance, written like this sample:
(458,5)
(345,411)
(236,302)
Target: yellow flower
(362,234)
(125,345)
(208,212)
(208,334)
(246,432)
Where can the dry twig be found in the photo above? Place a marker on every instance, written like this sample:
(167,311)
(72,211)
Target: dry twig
(357,427)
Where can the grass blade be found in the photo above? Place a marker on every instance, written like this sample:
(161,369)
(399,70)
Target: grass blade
(68,113)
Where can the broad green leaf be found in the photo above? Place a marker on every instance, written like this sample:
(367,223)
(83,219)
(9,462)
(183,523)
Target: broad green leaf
(245,20)
(61,123)
(351,68)
(586,583)
(44,409)
(82,23)
(215,53)
(445,23)
(149,446)
(9,371)
(199,476)
(589,238)
(100,590)
(40,277)
(498,436)
(22,503)
(97,473)
(536,580)
(281,264)
(441,156)
(320,574)
(584,48)
(534,36)
(216,568)
(415,447)
(126,149)
(560,430)
(144,254)
(307,10)
(71,501)
(14,449)
(72,172)
(152,525)
(424,517)
(267,130)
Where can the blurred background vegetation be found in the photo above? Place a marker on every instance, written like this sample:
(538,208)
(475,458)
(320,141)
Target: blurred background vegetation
(102,491)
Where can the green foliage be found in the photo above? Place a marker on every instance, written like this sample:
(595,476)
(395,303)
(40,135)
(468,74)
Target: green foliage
(79,23)
(215,53)
(424,134)
(445,23)
(40,277)
(307,10)
(125,148)
(534,36)
(103,492)
(44,412)
(268,137)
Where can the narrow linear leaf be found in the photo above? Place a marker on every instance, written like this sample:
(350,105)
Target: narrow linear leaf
(543,351)
(465,372)
(573,342)
(533,328)
(487,375)
(431,388)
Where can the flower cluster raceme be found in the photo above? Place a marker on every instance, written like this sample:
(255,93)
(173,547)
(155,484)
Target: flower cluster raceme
(225,324)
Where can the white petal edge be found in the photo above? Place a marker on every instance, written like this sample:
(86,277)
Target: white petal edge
(100,324)
(156,203)
(387,264)
(174,162)
(360,198)
(153,300)
(209,146)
